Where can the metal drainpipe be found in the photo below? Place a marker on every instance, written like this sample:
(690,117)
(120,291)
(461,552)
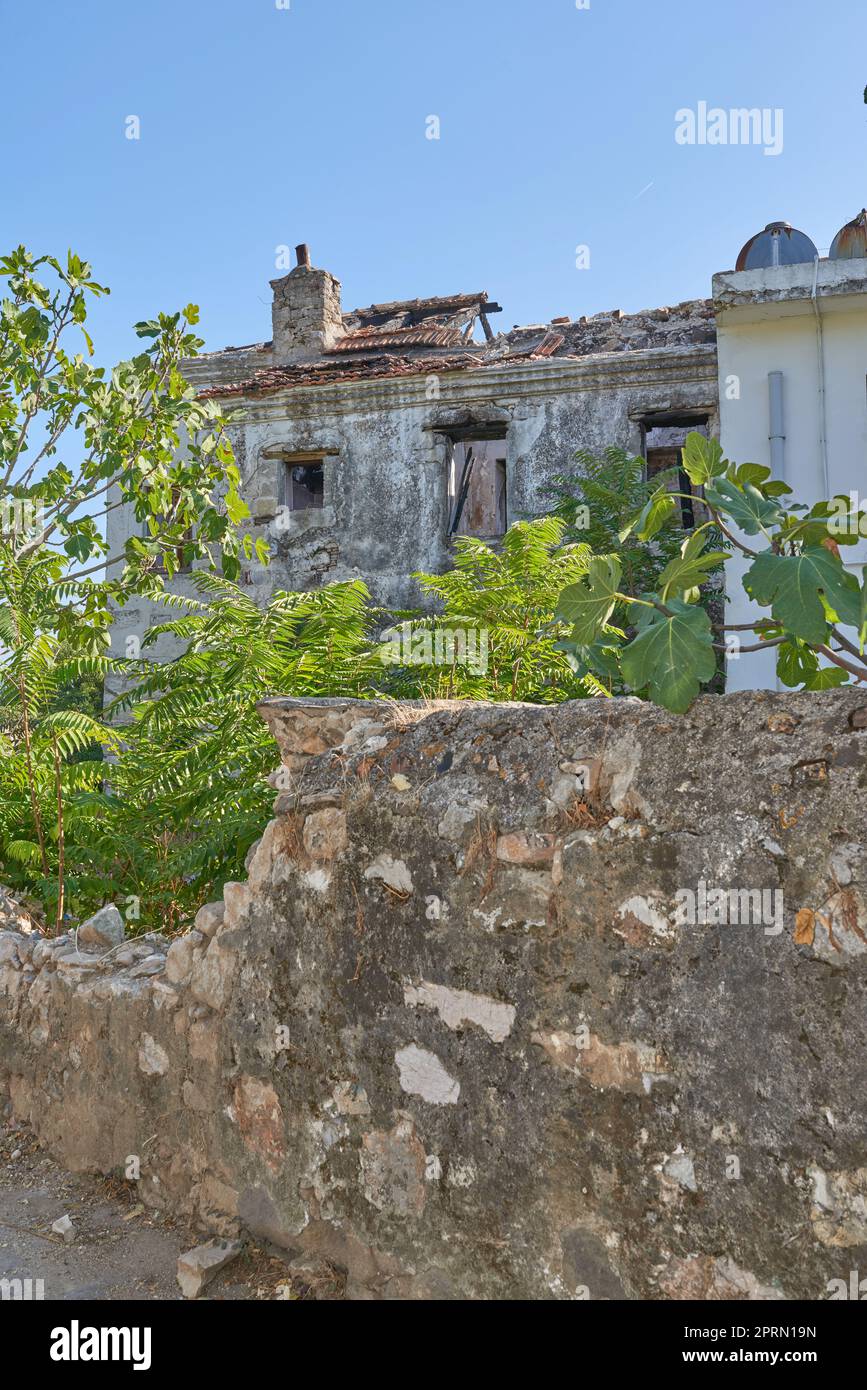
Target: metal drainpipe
(820,343)
(777,432)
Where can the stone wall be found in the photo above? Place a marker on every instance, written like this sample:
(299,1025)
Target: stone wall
(457,1034)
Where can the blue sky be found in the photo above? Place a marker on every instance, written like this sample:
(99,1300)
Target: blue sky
(263,126)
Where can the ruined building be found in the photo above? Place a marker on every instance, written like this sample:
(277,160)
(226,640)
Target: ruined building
(368,439)
(356,427)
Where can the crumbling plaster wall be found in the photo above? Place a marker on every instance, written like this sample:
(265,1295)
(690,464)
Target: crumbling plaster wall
(450,1033)
(387,506)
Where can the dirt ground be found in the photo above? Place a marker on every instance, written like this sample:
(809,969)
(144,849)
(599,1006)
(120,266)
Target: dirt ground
(120,1249)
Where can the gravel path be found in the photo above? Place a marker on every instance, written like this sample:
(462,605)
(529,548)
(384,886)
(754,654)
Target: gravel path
(120,1250)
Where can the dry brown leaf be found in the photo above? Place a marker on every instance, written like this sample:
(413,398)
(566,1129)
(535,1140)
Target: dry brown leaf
(805,927)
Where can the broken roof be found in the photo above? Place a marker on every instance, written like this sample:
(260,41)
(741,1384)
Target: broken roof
(324,372)
(440,322)
(412,310)
(435,335)
(403,335)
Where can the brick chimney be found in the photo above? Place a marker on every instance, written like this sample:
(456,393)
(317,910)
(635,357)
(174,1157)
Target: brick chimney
(306,312)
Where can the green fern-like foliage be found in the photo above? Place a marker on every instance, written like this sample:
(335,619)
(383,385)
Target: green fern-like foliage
(191,786)
(50,647)
(597,499)
(501,602)
(170,815)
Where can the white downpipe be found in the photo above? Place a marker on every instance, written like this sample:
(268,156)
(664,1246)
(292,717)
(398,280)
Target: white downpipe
(777,426)
(820,344)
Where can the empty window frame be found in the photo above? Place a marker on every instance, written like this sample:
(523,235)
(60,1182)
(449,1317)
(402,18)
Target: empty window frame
(663,441)
(302,483)
(478,504)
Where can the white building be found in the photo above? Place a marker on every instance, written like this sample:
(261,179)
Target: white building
(792,354)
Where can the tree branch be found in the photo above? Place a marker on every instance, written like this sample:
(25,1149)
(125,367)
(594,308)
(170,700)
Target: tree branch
(757,647)
(860,674)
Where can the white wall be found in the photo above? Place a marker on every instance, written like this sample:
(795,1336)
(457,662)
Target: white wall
(766,322)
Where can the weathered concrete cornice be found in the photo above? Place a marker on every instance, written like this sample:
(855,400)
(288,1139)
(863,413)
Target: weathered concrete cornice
(786,290)
(655,367)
